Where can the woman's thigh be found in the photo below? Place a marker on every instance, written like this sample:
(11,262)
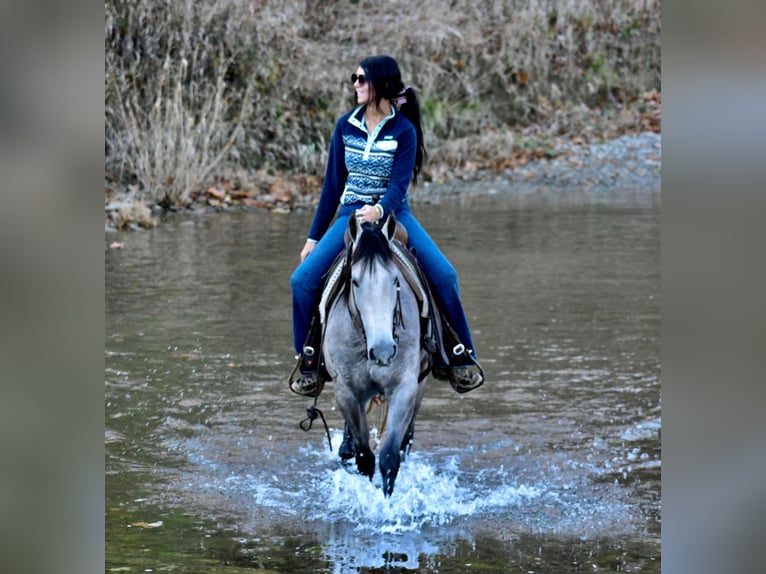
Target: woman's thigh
(436,266)
(309,273)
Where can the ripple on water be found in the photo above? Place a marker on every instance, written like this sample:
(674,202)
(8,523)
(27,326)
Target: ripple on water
(432,490)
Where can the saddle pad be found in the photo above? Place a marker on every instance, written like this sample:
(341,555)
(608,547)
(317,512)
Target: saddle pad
(330,290)
(406,263)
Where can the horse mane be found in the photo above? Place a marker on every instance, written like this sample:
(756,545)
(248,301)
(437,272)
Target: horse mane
(372,246)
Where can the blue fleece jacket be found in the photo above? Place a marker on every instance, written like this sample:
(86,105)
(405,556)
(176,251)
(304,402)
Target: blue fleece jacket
(365,167)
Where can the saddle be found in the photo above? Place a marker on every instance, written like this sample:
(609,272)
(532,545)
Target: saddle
(438,339)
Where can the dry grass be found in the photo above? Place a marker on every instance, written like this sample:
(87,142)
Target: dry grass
(199,90)
(133,211)
(170,117)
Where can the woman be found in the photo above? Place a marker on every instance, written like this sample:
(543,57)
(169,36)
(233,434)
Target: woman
(376,149)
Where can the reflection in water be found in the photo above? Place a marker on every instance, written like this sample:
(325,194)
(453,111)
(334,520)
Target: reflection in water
(347,550)
(557,456)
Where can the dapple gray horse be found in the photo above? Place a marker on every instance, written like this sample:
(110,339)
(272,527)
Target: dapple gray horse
(372,345)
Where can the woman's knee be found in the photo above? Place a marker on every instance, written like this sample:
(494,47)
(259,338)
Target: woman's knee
(300,282)
(294,281)
(445,277)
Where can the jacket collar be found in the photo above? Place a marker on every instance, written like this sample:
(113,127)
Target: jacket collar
(356,118)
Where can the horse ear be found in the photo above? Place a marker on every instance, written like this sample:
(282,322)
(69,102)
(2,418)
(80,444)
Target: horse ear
(354,229)
(389,226)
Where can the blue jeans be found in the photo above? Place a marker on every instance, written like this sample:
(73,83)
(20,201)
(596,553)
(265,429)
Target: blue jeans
(307,280)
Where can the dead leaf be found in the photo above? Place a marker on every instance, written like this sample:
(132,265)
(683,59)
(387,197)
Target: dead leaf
(282,191)
(148,524)
(216,192)
(242,193)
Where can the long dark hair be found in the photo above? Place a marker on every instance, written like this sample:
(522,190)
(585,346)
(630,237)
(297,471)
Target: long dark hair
(386,79)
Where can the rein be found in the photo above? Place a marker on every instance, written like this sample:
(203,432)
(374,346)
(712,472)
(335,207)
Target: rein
(312,413)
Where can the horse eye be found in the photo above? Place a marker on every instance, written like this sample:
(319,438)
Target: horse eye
(355,283)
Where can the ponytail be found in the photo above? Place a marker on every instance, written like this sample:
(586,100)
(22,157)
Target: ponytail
(407,102)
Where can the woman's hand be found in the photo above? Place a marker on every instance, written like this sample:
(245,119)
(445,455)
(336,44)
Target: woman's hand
(308,248)
(368,214)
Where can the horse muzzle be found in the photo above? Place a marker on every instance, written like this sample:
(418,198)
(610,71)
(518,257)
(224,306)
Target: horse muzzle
(382,354)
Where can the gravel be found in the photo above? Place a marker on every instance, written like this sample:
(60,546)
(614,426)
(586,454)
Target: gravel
(629,163)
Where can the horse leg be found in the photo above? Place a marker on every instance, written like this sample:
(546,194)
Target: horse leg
(365,461)
(356,432)
(410,434)
(407,440)
(401,415)
(346,450)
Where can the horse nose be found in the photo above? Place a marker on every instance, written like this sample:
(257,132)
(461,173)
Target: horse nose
(383,355)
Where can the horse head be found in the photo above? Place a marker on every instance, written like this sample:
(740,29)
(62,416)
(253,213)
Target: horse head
(375,286)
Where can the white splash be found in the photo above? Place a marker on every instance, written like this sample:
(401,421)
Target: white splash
(432,491)
(425,494)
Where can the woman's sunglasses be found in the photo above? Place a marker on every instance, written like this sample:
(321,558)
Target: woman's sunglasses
(360,78)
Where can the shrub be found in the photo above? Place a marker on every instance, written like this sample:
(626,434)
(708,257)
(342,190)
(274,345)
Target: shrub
(199,89)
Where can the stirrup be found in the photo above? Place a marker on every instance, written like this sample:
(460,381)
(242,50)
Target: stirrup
(305,385)
(304,380)
(464,379)
(440,373)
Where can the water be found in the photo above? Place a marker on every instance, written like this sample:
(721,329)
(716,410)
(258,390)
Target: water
(553,466)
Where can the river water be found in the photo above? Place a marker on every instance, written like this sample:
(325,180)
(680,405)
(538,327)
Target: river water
(552,466)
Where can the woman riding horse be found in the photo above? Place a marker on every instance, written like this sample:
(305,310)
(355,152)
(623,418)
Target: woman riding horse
(376,149)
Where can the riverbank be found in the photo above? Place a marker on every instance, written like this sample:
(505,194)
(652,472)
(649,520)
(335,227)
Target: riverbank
(628,162)
(196,91)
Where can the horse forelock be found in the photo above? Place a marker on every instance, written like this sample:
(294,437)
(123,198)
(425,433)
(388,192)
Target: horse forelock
(371,246)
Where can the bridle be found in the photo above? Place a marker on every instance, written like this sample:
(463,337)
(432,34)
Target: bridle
(356,317)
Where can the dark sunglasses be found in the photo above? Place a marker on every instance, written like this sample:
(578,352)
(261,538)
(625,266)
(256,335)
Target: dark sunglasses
(360,78)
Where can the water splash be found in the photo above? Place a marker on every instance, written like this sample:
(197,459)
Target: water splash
(432,491)
(427,493)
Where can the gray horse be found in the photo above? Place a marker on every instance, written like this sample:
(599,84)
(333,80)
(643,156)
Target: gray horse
(372,345)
